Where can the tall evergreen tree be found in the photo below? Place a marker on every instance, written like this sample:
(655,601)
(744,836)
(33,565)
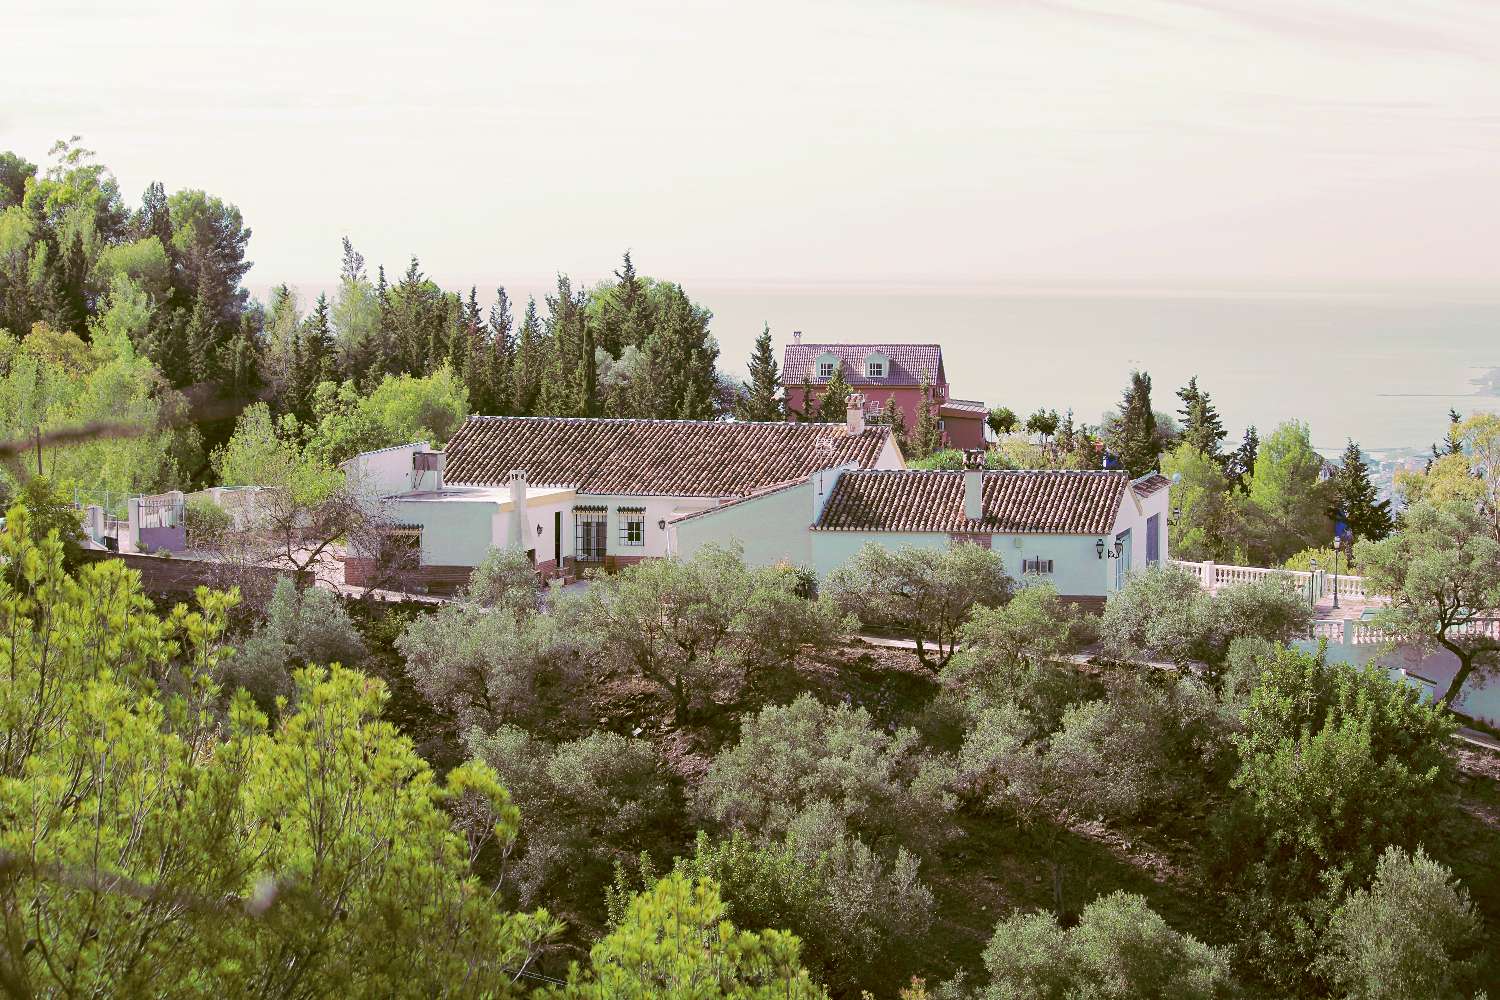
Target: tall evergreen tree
(1136,441)
(835,403)
(530,363)
(1242,463)
(926,437)
(763,392)
(1201,426)
(203,343)
(1356,499)
(500,359)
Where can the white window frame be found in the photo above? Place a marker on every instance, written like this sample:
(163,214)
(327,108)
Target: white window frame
(826,370)
(632,528)
(874,369)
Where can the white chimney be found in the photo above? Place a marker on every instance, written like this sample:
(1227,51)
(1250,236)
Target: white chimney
(518,521)
(796,336)
(974,484)
(854,413)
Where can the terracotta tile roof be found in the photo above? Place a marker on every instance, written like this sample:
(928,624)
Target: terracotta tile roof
(910,363)
(686,458)
(1152,482)
(1031,502)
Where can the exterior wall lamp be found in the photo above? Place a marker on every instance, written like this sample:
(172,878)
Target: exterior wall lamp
(661,524)
(538,529)
(1114,553)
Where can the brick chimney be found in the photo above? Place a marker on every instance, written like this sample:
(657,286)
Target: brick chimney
(974,483)
(518,520)
(854,413)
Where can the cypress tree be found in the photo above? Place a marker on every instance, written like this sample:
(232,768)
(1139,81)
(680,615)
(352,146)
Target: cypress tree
(203,343)
(1242,462)
(501,344)
(316,350)
(763,391)
(892,416)
(925,437)
(1136,441)
(1202,427)
(1356,499)
(530,362)
(835,402)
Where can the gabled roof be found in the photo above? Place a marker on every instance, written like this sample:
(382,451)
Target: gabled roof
(909,363)
(1051,502)
(1151,482)
(652,457)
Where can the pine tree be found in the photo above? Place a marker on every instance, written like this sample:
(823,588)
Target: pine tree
(926,437)
(763,391)
(1201,425)
(1356,501)
(382,357)
(312,359)
(835,403)
(1136,441)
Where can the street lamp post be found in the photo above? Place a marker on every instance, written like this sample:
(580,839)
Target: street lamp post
(1312,583)
(1338,543)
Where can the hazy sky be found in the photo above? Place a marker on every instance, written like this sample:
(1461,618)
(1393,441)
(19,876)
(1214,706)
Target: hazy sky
(1092,141)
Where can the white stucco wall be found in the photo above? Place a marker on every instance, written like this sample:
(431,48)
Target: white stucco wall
(388,471)
(772,528)
(454,533)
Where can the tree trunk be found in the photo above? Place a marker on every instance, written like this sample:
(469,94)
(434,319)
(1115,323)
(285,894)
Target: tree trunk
(1055,866)
(1465,668)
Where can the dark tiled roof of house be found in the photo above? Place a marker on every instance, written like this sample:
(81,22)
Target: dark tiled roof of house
(652,457)
(963,408)
(910,363)
(1039,502)
(1150,483)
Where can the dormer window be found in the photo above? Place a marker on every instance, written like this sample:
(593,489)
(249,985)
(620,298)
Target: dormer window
(874,369)
(825,370)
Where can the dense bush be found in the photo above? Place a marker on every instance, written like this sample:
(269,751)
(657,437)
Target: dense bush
(301,628)
(789,759)
(1335,765)
(700,629)
(1163,613)
(495,662)
(584,805)
(924,593)
(677,943)
(1119,950)
(859,918)
(1412,935)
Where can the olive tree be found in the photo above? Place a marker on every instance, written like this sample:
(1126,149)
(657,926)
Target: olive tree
(585,804)
(1412,935)
(927,594)
(701,629)
(1441,571)
(881,785)
(1120,949)
(1163,613)
(299,629)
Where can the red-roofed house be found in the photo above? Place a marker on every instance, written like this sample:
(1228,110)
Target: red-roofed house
(574,492)
(886,375)
(1082,531)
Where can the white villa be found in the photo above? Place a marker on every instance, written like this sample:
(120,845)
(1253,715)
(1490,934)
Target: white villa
(1081,531)
(579,492)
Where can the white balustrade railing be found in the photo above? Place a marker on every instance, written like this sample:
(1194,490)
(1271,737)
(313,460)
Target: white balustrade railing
(1215,576)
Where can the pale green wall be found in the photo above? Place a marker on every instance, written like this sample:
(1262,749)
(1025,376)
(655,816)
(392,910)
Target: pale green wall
(1077,567)
(771,528)
(453,534)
